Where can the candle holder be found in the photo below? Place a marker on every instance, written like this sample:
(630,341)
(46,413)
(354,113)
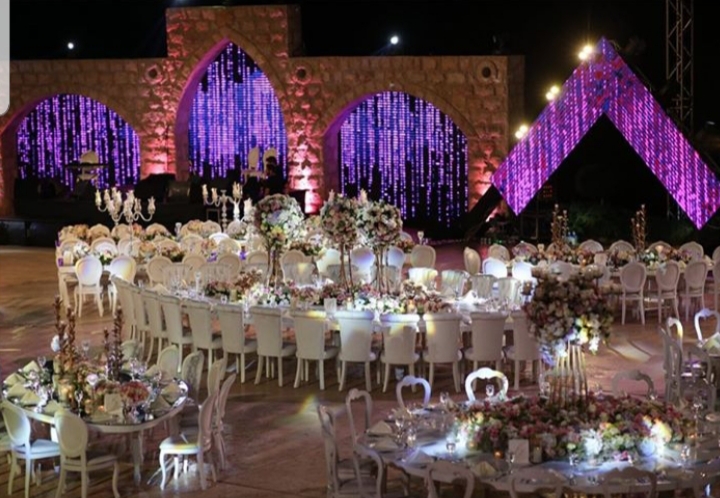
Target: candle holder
(213,199)
(559,227)
(129,208)
(639,229)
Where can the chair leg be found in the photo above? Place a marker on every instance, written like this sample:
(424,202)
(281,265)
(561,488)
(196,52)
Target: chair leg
(28,473)
(61,482)
(116,475)
(342,375)
(456,376)
(280,372)
(431,378)
(623,312)
(368,377)
(298,373)
(163,469)
(240,366)
(84,478)
(201,469)
(13,467)
(387,377)
(321,365)
(261,359)
(517,375)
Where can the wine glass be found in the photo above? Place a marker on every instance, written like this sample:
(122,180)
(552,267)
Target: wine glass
(444,399)
(685,454)
(223,299)
(490,390)
(510,459)
(421,237)
(42,360)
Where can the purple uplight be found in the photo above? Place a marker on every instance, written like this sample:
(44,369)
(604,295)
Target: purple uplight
(405,151)
(63,127)
(234,110)
(605,84)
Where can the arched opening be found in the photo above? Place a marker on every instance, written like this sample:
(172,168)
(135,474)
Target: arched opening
(403,150)
(234,111)
(61,128)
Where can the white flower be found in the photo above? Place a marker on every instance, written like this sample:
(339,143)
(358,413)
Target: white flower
(55,344)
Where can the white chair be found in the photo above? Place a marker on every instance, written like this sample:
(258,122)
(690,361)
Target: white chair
(293,256)
(660,246)
(562,269)
(218,237)
(199,445)
(125,298)
(104,244)
(356,330)
(363,484)
(591,245)
(693,249)
(695,277)
(525,347)
(679,330)
(629,481)
(356,431)
(524,249)
(89,272)
(704,314)
(299,273)
(18,428)
(537,481)
(471,258)
(482,285)
(227,246)
(443,343)
(191,243)
(216,374)
(363,259)
(191,372)
(632,278)
(72,435)
(509,290)
(395,257)
(200,319)
(632,375)
(487,374)
(231,261)
(331,257)
(157,329)
(449,472)
(142,324)
(154,269)
(423,276)
(411,381)
(399,333)
(123,267)
(310,327)
(495,267)
(667,278)
(168,362)
(194,261)
(257,258)
(452,282)
(423,256)
(716,281)
(488,335)
(499,252)
(176,333)
(268,321)
(621,246)
(232,329)
(522,270)
(218,428)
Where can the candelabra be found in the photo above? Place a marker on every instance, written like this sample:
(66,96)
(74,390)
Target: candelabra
(639,229)
(559,227)
(130,207)
(221,201)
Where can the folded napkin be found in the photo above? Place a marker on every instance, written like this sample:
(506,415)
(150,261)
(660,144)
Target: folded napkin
(171,392)
(380,429)
(484,469)
(52,407)
(713,417)
(386,444)
(32,366)
(150,372)
(712,345)
(17,391)
(419,457)
(14,379)
(160,404)
(30,399)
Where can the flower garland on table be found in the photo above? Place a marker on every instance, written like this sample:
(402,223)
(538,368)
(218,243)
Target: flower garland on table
(134,392)
(607,428)
(237,289)
(309,248)
(307,294)
(406,245)
(80,232)
(568,312)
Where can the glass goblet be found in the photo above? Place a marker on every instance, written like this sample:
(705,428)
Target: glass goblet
(85,344)
(490,390)
(42,360)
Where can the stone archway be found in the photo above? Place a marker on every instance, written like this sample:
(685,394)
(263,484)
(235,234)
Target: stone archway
(199,65)
(10,122)
(419,155)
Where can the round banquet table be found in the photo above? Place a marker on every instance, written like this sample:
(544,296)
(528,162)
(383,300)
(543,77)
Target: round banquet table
(583,478)
(135,430)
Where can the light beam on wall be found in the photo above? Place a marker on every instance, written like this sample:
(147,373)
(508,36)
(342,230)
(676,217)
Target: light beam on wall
(605,84)
(405,151)
(235,109)
(63,127)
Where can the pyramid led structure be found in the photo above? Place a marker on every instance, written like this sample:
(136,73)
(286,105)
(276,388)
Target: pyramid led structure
(605,84)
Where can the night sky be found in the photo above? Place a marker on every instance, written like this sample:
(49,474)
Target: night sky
(548,33)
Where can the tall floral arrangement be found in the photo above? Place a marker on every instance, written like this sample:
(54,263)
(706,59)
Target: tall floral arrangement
(339,223)
(569,312)
(380,224)
(277,218)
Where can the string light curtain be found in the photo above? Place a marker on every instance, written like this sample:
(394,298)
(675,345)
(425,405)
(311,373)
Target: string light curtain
(405,151)
(235,109)
(62,128)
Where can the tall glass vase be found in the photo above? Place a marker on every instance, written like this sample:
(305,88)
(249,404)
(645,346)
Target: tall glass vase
(568,381)
(274,271)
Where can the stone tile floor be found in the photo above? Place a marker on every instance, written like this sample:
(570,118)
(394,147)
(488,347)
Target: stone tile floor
(274,443)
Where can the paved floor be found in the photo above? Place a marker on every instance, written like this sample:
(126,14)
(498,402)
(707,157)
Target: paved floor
(273,433)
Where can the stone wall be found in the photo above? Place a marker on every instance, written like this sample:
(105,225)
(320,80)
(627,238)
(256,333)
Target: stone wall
(482,95)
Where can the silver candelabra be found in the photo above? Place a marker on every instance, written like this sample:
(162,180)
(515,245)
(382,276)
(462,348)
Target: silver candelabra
(130,207)
(213,199)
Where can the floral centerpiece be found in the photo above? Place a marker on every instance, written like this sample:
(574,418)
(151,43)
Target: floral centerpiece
(277,218)
(193,226)
(381,224)
(105,256)
(80,232)
(339,223)
(280,295)
(306,296)
(147,249)
(309,248)
(238,288)
(156,230)
(80,250)
(607,428)
(406,245)
(208,247)
(174,254)
(239,229)
(134,393)
(618,259)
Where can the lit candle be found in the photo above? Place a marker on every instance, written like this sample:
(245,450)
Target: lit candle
(151,205)
(331,197)
(237,191)
(248,205)
(204,191)
(98,200)
(214,194)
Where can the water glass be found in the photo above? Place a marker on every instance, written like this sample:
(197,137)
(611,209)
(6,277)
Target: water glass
(85,344)
(510,459)
(444,399)
(490,390)
(685,454)
(223,299)
(42,360)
